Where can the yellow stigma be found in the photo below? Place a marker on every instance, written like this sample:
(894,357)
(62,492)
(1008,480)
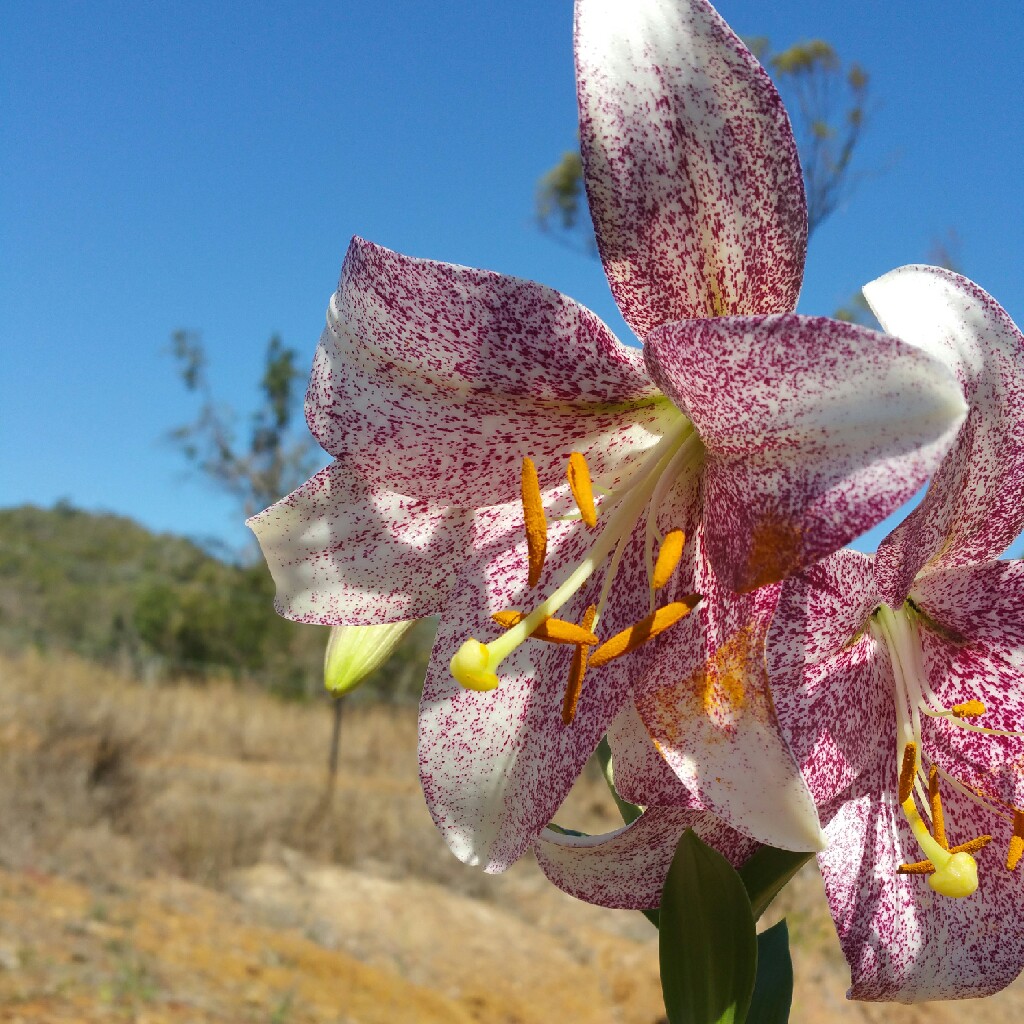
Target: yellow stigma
(953,874)
(471,666)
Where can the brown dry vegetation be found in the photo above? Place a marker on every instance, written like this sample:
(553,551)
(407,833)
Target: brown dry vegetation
(171,854)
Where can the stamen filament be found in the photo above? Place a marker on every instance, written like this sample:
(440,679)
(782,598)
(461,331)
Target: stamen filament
(582,488)
(669,556)
(646,629)
(577,671)
(536,523)
(556,631)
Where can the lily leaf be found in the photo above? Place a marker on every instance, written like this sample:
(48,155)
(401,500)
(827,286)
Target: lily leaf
(630,812)
(708,944)
(765,872)
(773,989)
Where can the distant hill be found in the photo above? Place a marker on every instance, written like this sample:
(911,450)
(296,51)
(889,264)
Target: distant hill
(158,605)
(105,587)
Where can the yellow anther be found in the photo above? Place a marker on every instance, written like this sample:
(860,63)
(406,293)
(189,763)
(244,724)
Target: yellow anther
(577,671)
(907,772)
(919,867)
(926,867)
(644,630)
(556,631)
(471,667)
(536,523)
(969,709)
(582,488)
(669,554)
(1016,841)
(935,802)
(972,845)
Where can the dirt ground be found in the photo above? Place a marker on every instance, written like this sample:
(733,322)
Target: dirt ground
(172,854)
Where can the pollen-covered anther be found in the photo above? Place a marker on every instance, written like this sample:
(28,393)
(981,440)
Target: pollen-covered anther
(669,555)
(535,520)
(907,772)
(646,629)
(1016,850)
(555,631)
(577,671)
(968,709)
(582,488)
(935,803)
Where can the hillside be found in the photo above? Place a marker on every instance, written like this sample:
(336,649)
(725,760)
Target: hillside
(155,605)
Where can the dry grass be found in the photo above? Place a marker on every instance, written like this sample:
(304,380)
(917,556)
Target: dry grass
(119,788)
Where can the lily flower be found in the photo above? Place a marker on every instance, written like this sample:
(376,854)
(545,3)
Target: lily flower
(564,502)
(899,683)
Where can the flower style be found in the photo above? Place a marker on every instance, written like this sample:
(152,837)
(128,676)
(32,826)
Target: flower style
(455,400)
(899,682)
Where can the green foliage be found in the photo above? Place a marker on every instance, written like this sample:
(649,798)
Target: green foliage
(773,989)
(707,939)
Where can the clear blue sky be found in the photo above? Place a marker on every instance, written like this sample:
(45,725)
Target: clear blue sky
(204,165)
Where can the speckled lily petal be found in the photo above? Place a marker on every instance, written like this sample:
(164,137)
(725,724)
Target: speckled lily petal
(975,504)
(832,686)
(814,429)
(495,766)
(903,942)
(706,703)
(342,553)
(436,380)
(984,603)
(627,868)
(691,169)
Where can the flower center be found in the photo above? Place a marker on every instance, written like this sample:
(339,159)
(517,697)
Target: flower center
(951,870)
(613,520)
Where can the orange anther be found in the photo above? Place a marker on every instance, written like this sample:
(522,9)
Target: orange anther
(935,802)
(644,630)
(536,523)
(555,631)
(1016,841)
(582,488)
(577,671)
(969,709)
(907,772)
(669,554)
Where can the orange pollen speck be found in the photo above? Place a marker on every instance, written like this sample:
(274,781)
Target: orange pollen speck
(555,631)
(577,671)
(644,630)
(969,709)
(907,772)
(1016,841)
(669,555)
(935,802)
(582,488)
(536,523)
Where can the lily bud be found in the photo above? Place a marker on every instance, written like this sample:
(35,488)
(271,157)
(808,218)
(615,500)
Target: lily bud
(354,652)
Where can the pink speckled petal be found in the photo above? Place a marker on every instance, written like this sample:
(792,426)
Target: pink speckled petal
(342,553)
(904,942)
(691,169)
(815,430)
(959,672)
(975,504)
(496,766)
(642,775)
(626,869)
(706,703)
(435,381)
(833,686)
(982,603)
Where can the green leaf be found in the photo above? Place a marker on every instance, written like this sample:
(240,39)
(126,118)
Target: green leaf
(766,872)
(773,990)
(708,944)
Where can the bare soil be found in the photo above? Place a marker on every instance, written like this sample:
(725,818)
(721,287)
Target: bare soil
(173,854)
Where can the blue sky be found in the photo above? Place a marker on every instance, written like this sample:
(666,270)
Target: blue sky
(204,165)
